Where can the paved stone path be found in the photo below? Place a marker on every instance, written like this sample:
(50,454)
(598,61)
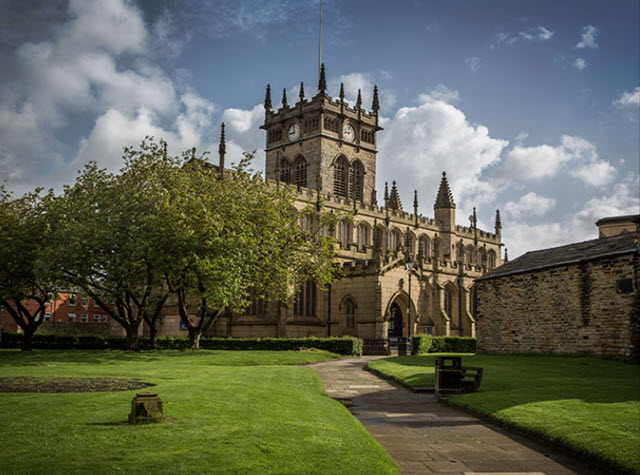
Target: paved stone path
(423,435)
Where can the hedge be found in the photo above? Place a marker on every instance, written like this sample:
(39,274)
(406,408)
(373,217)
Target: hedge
(342,345)
(422,344)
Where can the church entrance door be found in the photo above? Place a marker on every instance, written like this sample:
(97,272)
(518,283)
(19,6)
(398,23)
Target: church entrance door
(395,321)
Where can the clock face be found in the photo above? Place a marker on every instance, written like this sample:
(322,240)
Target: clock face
(294,132)
(348,133)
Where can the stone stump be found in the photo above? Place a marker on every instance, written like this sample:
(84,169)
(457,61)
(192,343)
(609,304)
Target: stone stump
(145,408)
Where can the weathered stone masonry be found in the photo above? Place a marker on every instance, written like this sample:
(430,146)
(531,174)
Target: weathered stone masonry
(590,307)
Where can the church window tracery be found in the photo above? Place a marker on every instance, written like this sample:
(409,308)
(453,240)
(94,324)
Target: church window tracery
(356,175)
(285,170)
(340,172)
(363,236)
(305,300)
(300,171)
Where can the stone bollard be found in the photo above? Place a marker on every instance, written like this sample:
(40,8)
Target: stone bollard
(145,408)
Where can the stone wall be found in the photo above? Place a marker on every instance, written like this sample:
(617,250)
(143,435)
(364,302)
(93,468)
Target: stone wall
(574,308)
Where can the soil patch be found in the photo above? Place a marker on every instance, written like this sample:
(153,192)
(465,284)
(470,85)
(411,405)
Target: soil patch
(31,384)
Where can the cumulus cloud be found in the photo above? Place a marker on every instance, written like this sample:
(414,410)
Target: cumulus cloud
(363,82)
(244,134)
(580,64)
(546,161)
(588,37)
(97,63)
(628,99)
(440,93)
(420,142)
(523,236)
(530,204)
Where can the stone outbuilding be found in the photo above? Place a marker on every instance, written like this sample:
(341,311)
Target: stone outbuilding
(581,298)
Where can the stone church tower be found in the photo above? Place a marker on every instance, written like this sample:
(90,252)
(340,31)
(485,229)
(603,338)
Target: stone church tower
(322,144)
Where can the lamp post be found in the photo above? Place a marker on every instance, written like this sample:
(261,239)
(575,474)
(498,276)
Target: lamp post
(409,266)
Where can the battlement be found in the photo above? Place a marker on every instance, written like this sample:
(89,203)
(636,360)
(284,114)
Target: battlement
(370,212)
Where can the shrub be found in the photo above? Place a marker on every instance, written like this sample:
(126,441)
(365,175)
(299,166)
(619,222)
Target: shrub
(341,345)
(422,344)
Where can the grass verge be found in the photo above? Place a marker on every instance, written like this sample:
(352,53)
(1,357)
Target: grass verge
(226,412)
(588,405)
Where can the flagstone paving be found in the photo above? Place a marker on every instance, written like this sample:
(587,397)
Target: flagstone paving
(424,435)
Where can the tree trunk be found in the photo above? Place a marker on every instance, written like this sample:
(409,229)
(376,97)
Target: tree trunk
(27,340)
(132,337)
(194,338)
(153,335)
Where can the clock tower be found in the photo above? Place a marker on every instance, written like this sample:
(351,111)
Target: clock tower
(323,144)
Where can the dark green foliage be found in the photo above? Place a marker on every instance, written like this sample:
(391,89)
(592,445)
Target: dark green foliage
(422,344)
(343,346)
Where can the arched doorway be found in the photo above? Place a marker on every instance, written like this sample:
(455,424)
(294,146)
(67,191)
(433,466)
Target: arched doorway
(395,321)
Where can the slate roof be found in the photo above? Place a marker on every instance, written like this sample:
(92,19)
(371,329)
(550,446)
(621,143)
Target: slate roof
(569,254)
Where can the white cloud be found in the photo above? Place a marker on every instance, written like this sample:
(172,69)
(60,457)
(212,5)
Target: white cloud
(244,134)
(530,204)
(522,236)
(473,63)
(597,173)
(580,63)
(440,93)
(546,161)
(588,37)
(521,137)
(364,82)
(628,99)
(537,34)
(99,62)
(420,142)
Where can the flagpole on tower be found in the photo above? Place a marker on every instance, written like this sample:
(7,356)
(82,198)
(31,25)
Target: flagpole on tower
(320,41)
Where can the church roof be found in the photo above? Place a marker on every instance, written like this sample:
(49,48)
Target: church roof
(444,198)
(569,254)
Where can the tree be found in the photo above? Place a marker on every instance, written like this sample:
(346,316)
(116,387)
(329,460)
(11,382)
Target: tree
(114,237)
(26,278)
(235,238)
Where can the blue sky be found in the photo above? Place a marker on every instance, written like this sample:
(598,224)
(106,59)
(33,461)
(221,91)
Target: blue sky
(530,107)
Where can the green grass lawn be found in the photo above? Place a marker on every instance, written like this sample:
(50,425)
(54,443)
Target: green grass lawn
(587,404)
(227,412)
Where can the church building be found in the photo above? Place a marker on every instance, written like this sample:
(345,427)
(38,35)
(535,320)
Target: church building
(404,273)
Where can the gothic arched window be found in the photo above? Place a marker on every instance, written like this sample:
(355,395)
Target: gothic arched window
(285,171)
(356,178)
(350,313)
(305,300)
(395,240)
(340,171)
(363,236)
(300,171)
(344,233)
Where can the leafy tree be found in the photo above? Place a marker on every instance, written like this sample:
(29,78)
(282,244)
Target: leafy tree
(235,238)
(113,237)
(26,279)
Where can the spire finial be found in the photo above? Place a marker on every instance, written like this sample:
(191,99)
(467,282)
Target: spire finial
(359,101)
(415,200)
(375,107)
(341,92)
(301,91)
(284,98)
(193,153)
(498,222)
(394,198)
(164,148)
(506,255)
(322,82)
(267,99)
(222,149)
(444,198)
(386,193)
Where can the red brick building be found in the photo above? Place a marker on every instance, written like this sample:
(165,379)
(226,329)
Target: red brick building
(63,306)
